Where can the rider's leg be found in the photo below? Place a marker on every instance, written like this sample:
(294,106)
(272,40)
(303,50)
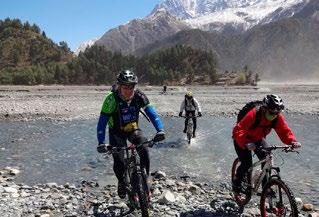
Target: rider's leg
(245,158)
(194,125)
(137,137)
(118,166)
(186,121)
(261,155)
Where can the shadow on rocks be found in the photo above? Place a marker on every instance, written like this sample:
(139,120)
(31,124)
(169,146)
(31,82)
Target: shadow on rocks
(205,213)
(112,211)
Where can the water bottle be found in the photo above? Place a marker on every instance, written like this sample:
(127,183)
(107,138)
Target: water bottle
(255,177)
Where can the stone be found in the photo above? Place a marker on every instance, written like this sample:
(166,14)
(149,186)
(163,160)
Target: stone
(167,197)
(307,207)
(10,190)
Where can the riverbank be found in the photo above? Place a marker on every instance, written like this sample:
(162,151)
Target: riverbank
(84,102)
(172,196)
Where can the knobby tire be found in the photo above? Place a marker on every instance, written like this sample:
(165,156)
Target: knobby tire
(140,189)
(245,194)
(281,202)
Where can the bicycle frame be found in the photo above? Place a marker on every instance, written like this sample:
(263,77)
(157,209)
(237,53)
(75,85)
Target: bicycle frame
(266,169)
(276,197)
(131,164)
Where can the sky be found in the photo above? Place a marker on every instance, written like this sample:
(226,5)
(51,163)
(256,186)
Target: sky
(76,21)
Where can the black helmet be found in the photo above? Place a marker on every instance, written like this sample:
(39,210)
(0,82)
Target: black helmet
(273,102)
(127,77)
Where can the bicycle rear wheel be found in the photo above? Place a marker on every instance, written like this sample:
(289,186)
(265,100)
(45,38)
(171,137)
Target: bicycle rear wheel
(140,187)
(244,196)
(277,200)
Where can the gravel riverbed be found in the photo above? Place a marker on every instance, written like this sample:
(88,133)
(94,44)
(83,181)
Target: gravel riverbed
(172,196)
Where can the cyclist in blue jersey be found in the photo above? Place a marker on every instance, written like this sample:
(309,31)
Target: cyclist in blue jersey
(120,111)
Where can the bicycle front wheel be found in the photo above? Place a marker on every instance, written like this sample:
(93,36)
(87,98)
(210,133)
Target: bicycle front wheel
(189,137)
(277,200)
(141,189)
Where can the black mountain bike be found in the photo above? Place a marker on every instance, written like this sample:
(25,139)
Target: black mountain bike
(276,198)
(136,184)
(189,128)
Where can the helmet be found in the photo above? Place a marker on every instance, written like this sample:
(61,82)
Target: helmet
(189,94)
(127,77)
(273,102)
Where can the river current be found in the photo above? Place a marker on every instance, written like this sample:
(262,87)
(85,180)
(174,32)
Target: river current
(58,151)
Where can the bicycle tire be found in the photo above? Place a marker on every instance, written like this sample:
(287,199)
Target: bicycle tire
(244,196)
(277,200)
(189,138)
(139,186)
(189,130)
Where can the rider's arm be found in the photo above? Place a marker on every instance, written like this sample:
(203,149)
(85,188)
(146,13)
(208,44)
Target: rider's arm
(144,103)
(240,131)
(283,131)
(108,108)
(154,117)
(197,105)
(101,125)
(182,106)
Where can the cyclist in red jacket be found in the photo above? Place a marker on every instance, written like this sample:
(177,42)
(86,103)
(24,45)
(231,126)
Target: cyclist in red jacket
(247,138)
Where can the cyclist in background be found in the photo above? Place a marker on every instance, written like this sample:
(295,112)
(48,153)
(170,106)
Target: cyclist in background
(248,137)
(120,110)
(190,105)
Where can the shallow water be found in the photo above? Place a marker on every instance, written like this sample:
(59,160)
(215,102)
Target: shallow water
(55,151)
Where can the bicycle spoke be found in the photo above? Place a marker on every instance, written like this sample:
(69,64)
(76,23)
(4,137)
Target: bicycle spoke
(277,200)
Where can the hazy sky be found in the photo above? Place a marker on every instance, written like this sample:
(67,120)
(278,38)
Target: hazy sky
(76,21)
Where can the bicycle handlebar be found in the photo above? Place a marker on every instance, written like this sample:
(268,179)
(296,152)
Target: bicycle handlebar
(183,116)
(284,148)
(104,147)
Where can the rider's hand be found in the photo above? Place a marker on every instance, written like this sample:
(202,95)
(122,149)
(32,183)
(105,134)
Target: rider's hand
(180,114)
(159,136)
(199,114)
(251,146)
(295,144)
(103,148)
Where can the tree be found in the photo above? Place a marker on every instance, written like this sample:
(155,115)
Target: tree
(35,28)
(64,46)
(257,79)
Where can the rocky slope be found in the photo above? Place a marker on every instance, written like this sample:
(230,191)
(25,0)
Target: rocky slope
(141,32)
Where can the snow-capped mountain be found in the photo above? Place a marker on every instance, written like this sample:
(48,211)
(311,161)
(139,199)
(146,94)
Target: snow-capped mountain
(237,14)
(85,45)
(141,32)
(171,16)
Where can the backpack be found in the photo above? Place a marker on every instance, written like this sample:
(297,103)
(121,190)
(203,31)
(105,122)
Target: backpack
(249,106)
(192,102)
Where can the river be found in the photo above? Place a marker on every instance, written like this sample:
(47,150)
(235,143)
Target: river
(65,151)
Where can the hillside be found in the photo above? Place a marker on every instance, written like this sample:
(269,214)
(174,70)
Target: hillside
(22,44)
(27,56)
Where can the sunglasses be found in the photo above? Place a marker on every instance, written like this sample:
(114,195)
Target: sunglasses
(273,112)
(127,87)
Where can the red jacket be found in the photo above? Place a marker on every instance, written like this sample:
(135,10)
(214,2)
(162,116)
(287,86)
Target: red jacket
(243,135)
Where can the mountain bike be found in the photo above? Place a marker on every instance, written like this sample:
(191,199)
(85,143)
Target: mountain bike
(189,128)
(136,184)
(276,198)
